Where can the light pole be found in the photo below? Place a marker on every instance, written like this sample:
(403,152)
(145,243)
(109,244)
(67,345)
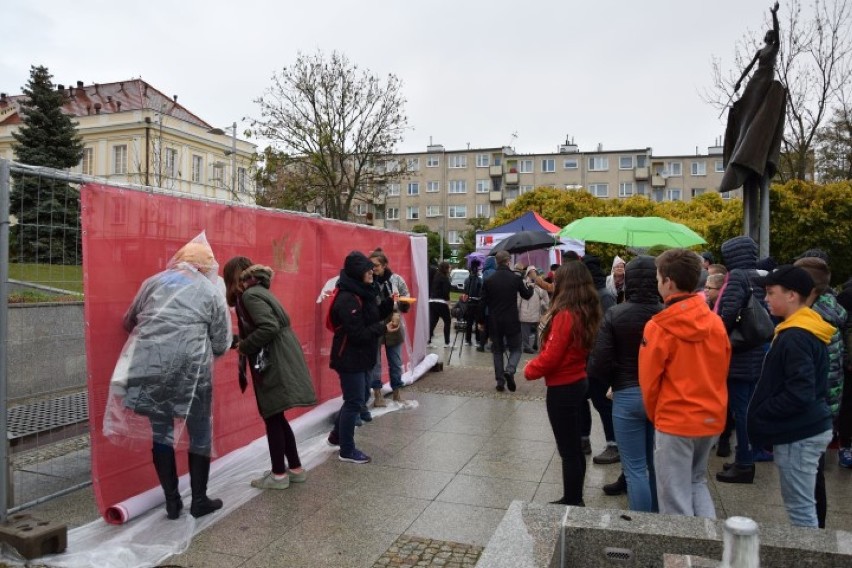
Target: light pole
(232,152)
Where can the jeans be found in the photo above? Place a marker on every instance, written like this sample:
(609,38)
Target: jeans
(597,393)
(198,428)
(635,435)
(797,468)
(681,469)
(500,343)
(352,385)
(563,410)
(739,395)
(394,357)
(527,330)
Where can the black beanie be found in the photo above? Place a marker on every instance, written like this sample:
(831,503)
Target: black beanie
(357,265)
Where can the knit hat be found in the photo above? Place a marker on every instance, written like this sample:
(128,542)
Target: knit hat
(357,265)
(790,277)
(815,253)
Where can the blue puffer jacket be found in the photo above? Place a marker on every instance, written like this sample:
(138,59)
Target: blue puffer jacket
(740,257)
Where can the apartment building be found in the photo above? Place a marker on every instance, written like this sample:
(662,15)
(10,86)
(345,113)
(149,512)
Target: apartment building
(443,188)
(133,133)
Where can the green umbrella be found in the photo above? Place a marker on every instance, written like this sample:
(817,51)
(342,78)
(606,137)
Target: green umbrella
(632,231)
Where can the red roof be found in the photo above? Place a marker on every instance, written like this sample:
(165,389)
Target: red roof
(109,98)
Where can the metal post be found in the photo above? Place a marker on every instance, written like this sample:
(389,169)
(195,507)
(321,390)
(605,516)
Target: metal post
(234,160)
(763,243)
(5,188)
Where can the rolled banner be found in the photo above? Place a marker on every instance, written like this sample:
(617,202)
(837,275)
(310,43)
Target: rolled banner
(406,299)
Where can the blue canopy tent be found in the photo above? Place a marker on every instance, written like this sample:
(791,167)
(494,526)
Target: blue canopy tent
(529,221)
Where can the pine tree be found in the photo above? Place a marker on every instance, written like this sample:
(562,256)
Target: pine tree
(47,210)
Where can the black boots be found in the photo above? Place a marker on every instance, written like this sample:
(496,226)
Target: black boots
(617,487)
(164,464)
(199,471)
(735,473)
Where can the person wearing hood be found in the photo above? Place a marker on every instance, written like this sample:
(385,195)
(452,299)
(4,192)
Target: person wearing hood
(284,381)
(597,389)
(357,314)
(789,408)
(615,361)
(683,366)
(740,256)
(391,286)
(178,322)
(615,280)
(844,419)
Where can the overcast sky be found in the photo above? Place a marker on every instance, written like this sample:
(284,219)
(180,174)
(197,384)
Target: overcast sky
(624,74)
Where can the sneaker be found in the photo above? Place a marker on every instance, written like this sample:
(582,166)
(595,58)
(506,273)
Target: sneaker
(762,455)
(510,381)
(333,440)
(268,481)
(587,446)
(500,387)
(300,477)
(844,457)
(366,416)
(480,348)
(608,456)
(357,456)
(446,345)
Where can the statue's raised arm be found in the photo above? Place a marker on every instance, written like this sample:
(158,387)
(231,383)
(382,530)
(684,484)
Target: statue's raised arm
(766,55)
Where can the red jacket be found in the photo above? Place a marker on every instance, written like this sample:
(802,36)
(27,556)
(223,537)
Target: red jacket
(683,369)
(561,361)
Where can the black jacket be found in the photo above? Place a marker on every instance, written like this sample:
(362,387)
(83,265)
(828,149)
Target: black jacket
(740,255)
(615,359)
(500,295)
(440,288)
(358,315)
(789,401)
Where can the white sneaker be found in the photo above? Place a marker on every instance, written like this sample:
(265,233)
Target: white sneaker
(446,346)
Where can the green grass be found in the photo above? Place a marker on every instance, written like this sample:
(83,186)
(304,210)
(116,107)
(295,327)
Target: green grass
(53,275)
(37,297)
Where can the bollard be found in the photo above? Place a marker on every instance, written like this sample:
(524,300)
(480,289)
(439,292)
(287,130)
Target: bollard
(742,546)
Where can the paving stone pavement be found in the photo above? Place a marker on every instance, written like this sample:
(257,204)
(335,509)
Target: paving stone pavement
(412,551)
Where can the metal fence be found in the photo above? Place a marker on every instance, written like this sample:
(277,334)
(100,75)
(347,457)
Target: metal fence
(42,346)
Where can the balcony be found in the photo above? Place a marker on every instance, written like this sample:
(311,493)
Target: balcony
(495,171)
(641,174)
(495,196)
(512,178)
(658,181)
(379,199)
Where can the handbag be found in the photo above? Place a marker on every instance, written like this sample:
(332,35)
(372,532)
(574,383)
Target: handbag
(753,326)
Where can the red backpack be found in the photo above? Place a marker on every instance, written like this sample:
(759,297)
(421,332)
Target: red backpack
(329,324)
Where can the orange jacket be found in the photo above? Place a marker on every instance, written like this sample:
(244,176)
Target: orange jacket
(683,368)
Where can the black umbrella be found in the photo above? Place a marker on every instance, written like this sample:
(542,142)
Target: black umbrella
(524,241)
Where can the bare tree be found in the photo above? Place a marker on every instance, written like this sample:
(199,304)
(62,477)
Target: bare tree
(335,127)
(814,65)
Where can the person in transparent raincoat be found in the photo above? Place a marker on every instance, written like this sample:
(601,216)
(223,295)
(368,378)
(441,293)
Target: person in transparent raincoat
(177,323)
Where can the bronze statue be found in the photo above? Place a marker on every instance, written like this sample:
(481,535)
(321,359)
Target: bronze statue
(756,121)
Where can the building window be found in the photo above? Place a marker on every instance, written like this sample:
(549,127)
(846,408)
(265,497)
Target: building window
(641,160)
(392,213)
(720,167)
(625,189)
(699,168)
(361,210)
(483,210)
(413,212)
(197,168)
(725,194)
(598,164)
(119,159)
(625,162)
(392,166)
(433,186)
(457,211)
(413,164)
(641,188)
(454,237)
(483,185)
(393,189)
(570,164)
(171,162)
(413,188)
(675,169)
(548,165)
(433,210)
(242,181)
(433,161)
(526,166)
(218,174)
(673,194)
(458,161)
(698,191)
(599,189)
(525,189)
(458,186)
(483,160)
(87,165)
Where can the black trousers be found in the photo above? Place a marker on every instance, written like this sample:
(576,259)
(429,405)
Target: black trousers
(282,444)
(563,410)
(439,311)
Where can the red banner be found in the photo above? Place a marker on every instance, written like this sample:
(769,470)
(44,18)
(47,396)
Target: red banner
(130,235)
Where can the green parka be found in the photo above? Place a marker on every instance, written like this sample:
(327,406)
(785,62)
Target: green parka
(286,381)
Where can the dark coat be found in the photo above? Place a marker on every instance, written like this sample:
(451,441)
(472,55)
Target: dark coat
(440,289)
(357,314)
(286,381)
(740,256)
(500,295)
(607,298)
(615,358)
(789,401)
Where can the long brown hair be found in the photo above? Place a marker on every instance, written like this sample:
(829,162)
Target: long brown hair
(574,290)
(231,275)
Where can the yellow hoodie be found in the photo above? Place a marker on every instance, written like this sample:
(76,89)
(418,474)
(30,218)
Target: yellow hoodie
(807,319)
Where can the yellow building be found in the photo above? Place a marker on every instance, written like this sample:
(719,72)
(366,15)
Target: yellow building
(133,133)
